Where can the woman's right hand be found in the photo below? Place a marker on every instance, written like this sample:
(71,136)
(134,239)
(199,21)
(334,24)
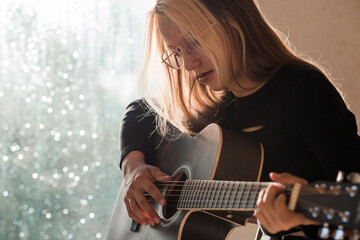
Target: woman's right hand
(139,179)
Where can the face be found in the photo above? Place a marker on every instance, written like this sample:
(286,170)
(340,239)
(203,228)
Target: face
(201,67)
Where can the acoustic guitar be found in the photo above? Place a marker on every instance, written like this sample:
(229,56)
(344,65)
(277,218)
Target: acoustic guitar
(210,195)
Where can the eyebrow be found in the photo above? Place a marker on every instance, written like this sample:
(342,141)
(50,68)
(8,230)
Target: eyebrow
(173,47)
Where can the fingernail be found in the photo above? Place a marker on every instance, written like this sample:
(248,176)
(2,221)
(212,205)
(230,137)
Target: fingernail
(274,174)
(151,222)
(162,202)
(157,220)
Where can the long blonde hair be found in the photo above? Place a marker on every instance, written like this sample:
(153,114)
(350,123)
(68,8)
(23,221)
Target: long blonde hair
(236,37)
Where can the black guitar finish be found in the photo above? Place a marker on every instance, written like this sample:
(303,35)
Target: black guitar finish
(209,155)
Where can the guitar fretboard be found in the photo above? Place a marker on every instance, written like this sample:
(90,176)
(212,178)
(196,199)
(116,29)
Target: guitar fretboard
(220,195)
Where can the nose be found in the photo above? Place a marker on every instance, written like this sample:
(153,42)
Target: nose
(190,62)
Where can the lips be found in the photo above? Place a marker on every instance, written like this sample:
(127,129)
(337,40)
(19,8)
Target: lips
(199,76)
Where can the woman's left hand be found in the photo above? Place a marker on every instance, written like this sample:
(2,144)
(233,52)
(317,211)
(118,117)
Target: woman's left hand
(273,212)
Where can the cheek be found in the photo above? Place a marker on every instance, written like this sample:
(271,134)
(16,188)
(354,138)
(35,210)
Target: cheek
(208,63)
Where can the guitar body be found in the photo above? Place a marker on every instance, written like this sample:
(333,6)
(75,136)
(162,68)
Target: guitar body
(213,154)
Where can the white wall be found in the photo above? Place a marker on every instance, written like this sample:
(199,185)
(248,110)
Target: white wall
(325,29)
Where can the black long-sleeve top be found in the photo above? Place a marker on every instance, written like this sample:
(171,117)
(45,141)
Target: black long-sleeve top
(304,125)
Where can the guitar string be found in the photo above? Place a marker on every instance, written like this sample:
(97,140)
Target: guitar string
(239,184)
(304,190)
(202,192)
(222,195)
(244,205)
(247,190)
(245,202)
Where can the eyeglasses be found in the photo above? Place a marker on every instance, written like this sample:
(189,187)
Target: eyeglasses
(174,57)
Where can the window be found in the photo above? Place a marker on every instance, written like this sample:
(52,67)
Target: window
(67,71)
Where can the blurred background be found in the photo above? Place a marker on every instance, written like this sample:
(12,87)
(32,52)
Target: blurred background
(67,71)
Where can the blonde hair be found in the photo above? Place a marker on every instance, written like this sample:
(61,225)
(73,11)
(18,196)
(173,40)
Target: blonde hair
(236,37)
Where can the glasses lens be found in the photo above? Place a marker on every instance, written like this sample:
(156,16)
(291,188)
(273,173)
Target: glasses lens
(191,46)
(173,58)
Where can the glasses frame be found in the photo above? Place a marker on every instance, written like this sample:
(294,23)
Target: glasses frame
(186,50)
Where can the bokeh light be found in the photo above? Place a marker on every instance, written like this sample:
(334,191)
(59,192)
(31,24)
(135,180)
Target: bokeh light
(64,66)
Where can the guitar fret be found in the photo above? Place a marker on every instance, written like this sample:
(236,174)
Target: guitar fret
(180,203)
(189,199)
(193,195)
(227,189)
(219,195)
(207,194)
(223,194)
(248,199)
(199,203)
(232,195)
(253,196)
(249,195)
(256,193)
(213,194)
(198,194)
(244,197)
(210,195)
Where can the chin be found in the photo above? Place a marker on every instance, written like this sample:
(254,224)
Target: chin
(215,87)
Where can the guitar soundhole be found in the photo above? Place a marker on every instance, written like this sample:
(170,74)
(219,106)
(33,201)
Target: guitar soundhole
(172,195)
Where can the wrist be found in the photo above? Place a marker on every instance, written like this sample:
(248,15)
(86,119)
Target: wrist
(132,160)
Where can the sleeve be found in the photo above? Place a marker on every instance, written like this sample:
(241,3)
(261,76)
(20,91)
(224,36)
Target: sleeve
(278,235)
(326,126)
(138,130)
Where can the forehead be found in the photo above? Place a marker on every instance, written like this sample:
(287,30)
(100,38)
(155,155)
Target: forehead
(170,31)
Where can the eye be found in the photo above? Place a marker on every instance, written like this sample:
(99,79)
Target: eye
(190,44)
(178,50)
(194,43)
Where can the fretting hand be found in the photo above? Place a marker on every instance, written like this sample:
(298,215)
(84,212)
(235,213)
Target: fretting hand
(272,212)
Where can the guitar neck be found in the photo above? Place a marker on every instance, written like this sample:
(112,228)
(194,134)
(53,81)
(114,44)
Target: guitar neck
(334,203)
(220,195)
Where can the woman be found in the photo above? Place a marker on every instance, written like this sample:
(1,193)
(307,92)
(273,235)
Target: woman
(221,61)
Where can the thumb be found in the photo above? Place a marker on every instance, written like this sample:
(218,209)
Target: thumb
(286,178)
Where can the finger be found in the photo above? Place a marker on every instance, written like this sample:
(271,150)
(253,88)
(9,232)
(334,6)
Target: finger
(286,178)
(260,197)
(131,207)
(267,204)
(262,219)
(270,194)
(285,216)
(146,210)
(155,193)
